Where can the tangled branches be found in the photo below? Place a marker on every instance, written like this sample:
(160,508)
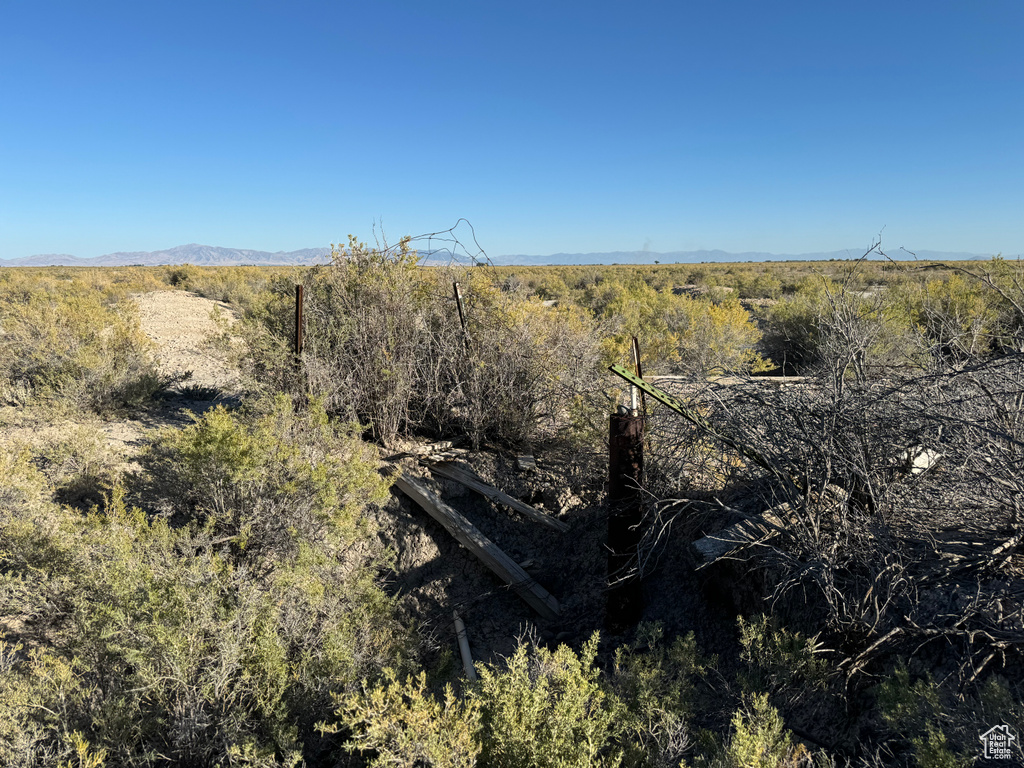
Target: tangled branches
(902,505)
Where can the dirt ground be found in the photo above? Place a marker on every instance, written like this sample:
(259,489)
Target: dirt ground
(182,324)
(182,327)
(435,575)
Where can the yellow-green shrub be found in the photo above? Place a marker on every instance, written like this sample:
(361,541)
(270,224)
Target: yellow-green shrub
(548,286)
(760,283)
(272,480)
(80,465)
(941,726)
(238,286)
(958,316)
(826,325)
(403,725)
(149,640)
(778,658)
(759,739)
(66,341)
(540,708)
(527,365)
(655,684)
(547,708)
(677,332)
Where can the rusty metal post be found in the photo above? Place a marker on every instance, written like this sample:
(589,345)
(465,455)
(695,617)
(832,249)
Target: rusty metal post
(625,473)
(462,311)
(298,322)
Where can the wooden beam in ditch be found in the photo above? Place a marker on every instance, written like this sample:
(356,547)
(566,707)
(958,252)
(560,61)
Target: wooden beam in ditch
(759,529)
(486,550)
(468,479)
(743,534)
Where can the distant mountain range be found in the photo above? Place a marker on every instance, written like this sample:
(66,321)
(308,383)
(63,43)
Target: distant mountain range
(212,256)
(696,257)
(201,255)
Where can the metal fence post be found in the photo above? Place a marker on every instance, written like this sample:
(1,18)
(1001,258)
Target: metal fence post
(625,473)
(298,322)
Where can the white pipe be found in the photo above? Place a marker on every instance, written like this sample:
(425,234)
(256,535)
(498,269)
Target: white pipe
(467,658)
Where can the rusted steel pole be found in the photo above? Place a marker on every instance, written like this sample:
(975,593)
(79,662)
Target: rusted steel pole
(462,311)
(625,473)
(298,320)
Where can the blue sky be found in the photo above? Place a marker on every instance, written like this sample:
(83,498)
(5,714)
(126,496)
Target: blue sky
(552,126)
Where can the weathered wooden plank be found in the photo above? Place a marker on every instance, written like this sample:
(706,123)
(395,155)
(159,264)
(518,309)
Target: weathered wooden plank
(732,381)
(756,530)
(742,534)
(483,548)
(468,479)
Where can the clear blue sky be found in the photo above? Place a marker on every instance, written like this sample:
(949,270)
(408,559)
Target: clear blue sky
(552,126)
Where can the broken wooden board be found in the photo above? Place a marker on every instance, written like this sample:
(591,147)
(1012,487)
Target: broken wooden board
(463,639)
(468,479)
(756,530)
(445,448)
(732,381)
(483,548)
(743,534)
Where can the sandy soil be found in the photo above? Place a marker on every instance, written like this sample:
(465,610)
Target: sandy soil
(182,325)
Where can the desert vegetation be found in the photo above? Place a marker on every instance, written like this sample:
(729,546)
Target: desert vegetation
(240,587)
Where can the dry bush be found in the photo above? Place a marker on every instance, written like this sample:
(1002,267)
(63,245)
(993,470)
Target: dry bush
(895,553)
(959,317)
(895,530)
(370,323)
(895,490)
(827,325)
(527,369)
(68,340)
(384,346)
(81,465)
